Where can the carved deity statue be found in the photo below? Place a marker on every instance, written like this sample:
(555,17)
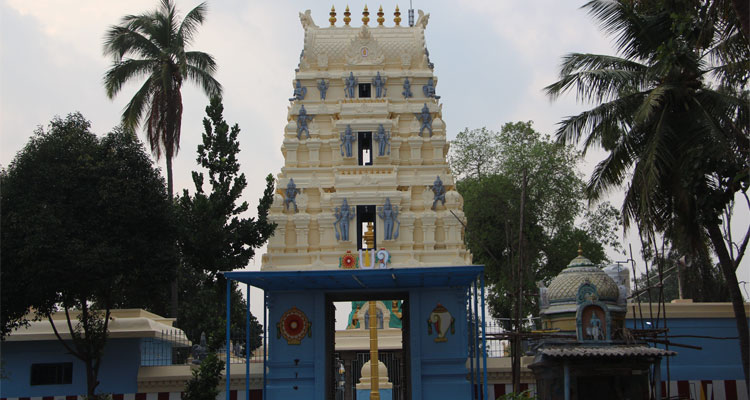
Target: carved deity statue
(389,215)
(439,192)
(429,89)
(384,141)
(351,84)
(323,88)
(426,119)
(341,224)
(594,330)
(291,195)
(407,89)
(302,120)
(347,138)
(299,91)
(379,83)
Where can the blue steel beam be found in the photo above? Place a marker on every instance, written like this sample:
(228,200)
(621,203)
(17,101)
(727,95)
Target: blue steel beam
(229,318)
(484,338)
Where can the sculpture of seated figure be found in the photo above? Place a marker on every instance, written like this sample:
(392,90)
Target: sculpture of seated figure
(291,195)
(351,84)
(341,224)
(323,88)
(302,120)
(407,89)
(426,118)
(200,351)
(347,138)
(299,92)
(429,89)
(439,192)
(384,141)
(389,215)
(379,83)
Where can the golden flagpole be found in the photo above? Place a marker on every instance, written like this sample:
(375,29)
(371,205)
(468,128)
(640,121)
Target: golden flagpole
(374,373)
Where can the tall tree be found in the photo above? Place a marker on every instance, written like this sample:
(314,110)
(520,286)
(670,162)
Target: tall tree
(86,227)
(153,45)
(672,112)
(214,236)
(553,203)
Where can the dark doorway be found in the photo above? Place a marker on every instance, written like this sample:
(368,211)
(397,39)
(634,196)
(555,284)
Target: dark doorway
(397,361)
(364,148)
(364,90)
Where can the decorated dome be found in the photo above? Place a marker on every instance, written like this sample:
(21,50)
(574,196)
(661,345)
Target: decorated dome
(564,288)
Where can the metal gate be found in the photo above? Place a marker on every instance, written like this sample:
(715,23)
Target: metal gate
(393,360)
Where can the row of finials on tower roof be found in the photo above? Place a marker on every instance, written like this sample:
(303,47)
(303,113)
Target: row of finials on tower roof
(388,213)
(366,16)
(351,82)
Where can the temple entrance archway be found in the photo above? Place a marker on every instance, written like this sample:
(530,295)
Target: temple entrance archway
(352,357)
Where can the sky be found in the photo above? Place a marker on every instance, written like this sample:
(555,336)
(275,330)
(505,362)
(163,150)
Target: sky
(492,58)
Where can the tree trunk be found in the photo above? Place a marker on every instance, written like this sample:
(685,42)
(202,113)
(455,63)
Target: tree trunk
(727,267)
(173,288)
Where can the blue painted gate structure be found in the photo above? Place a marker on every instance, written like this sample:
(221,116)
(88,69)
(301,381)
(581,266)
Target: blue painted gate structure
(437,355)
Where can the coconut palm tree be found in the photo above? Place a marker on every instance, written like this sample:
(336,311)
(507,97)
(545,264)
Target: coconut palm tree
(153,46)
(672,111)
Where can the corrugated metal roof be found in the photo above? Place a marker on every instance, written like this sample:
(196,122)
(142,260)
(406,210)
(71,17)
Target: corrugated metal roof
(606,351)
(359,279)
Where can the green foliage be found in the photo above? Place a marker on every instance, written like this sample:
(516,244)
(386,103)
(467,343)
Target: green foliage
(474,153)
(86,226)
(215,237)
(553,203)
(525,395)
(672,113)
(204,385)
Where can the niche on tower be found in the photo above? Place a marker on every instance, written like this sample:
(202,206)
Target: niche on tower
(364,148)
(366,227)
(365,90)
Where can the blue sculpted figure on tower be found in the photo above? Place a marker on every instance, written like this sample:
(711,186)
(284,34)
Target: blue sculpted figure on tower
(323,88)
(426,119)
(429,89)
(347,138)
(438,191)
(389,215)
(343,216)
(291,194)
(299,91)
(379,83)
(302,120)
(384,141)
(351,83)
(407,89)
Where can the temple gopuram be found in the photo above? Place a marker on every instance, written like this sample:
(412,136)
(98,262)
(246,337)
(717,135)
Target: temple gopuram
(367,213)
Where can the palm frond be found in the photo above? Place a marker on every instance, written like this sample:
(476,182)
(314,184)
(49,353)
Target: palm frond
(604,121)
(201,60)
(208,83)
(120,42)
(598,78)
(131,115)
(611,172)
(123,71)
(190,23)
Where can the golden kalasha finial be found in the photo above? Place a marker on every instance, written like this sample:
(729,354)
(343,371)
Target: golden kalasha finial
(380,16)
(580,249)
(332,20)
(347,20)
(365,16)
(397,16)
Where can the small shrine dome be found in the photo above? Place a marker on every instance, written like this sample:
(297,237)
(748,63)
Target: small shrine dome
(564,288)
(580,286)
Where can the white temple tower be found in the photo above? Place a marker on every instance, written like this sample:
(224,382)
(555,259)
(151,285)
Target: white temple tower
(365,127)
